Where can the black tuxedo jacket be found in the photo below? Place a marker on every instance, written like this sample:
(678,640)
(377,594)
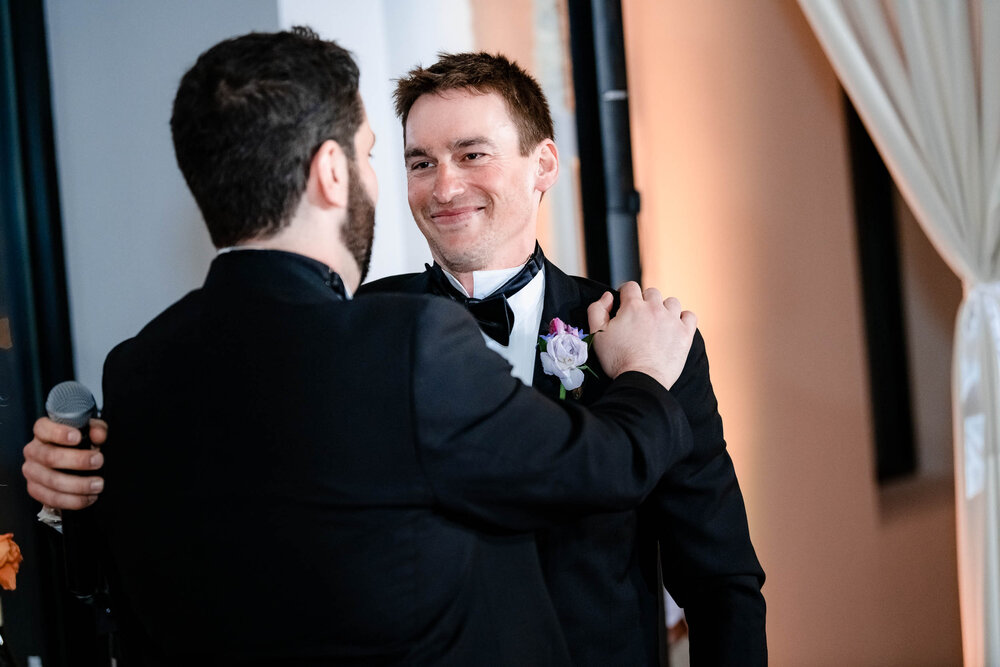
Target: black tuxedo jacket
(601,570)
(296,479)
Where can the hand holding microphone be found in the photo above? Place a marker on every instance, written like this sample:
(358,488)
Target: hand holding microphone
(59,474)
(70,403)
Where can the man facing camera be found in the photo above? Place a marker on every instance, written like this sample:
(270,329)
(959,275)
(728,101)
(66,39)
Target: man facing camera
(297,478)
(479,151)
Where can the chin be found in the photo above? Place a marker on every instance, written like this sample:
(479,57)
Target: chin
(461,262)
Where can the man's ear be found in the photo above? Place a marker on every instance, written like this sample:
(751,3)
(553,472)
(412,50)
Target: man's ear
(328,175)
(548,166)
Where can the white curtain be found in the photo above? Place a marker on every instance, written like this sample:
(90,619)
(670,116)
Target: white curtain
(925,78)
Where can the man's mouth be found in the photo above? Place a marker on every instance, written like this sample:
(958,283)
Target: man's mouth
(454,215)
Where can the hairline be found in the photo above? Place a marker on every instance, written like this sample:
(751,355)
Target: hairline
(480,90)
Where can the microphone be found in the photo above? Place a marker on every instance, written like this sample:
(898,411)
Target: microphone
(72,404)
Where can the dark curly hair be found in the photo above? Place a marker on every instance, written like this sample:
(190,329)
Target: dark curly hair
(247,120)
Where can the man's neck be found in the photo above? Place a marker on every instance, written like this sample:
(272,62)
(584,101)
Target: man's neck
(467,278)
(485,282)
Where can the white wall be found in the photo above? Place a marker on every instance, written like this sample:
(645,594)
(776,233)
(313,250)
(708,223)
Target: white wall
(135,241)
(134,237)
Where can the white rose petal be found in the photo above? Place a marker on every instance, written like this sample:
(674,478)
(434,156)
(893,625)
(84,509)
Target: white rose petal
(567,350)
(549,364)
(574,380)
(564,353)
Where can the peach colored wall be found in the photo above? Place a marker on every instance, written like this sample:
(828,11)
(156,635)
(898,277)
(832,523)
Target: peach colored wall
(505,27)
(741,160)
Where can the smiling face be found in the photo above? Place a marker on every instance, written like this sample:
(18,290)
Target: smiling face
(472,194)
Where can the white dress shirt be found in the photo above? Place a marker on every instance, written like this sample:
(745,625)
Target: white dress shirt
(527,306)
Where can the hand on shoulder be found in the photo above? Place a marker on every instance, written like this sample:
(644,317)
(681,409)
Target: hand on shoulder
(648,333)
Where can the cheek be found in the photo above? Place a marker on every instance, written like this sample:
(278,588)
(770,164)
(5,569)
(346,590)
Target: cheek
(513,189)
(416,194)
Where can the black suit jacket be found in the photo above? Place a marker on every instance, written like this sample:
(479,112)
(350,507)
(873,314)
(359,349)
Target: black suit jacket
(601,570)
(297,479)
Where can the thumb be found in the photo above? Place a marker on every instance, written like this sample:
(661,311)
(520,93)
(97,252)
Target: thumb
(599,312)
(98,431)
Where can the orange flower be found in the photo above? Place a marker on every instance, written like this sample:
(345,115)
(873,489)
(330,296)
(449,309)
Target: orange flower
(10,561)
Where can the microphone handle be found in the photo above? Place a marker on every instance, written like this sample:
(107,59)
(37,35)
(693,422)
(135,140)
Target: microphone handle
(78,540)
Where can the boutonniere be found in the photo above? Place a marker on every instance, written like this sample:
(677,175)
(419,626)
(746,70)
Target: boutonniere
(564,354)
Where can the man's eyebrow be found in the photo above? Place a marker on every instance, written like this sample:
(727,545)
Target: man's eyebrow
(414,152)
(471,141)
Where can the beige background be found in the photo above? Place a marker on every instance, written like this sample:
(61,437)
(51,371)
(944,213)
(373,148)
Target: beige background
(741,158)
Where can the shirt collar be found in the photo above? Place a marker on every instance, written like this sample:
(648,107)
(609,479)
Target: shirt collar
(484,283)
(240,248)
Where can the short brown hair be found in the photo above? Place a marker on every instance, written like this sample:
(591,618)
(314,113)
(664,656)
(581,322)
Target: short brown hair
(483,73)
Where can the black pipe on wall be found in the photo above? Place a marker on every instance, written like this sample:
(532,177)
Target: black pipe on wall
(609,199)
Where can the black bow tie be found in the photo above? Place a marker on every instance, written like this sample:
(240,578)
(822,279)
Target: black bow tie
(337,285)
(493,313)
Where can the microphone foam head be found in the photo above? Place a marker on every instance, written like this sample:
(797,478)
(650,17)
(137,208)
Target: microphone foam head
(70,403)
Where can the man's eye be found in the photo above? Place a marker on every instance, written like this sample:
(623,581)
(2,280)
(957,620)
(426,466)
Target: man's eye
(473,156)
(419,165)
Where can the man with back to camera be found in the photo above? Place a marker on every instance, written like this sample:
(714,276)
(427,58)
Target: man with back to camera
(320,488)
(479,155)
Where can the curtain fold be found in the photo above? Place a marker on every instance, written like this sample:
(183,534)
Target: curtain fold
(925,79)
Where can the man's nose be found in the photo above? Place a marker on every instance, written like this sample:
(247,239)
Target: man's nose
(447,184)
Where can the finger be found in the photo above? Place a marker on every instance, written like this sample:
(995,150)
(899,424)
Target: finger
(630,292)
(599,312)
(64,458)
(55,481)
(98,431)
(48,431)
(64,501)
(673,305)
(652,294)
(689,319)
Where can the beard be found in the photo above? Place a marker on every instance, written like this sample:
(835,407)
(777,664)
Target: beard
(358,231)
